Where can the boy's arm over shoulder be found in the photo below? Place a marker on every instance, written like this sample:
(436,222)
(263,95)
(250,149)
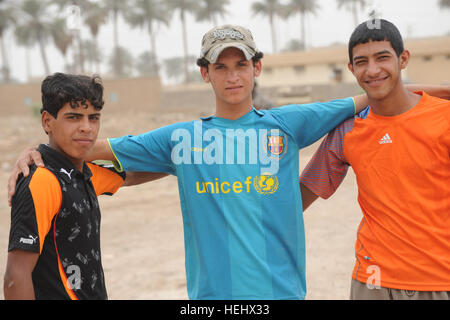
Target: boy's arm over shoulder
(151,151)
(107,179)
(309,122)
(328,167)
(439,91)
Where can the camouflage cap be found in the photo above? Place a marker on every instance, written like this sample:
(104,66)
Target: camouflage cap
(220,38)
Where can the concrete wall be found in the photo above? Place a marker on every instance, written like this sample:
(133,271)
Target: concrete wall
(121,95)
(305,75)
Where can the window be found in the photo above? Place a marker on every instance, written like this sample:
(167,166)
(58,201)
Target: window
(299,69)
(336,74)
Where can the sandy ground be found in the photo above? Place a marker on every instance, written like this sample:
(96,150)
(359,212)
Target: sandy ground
(142,233)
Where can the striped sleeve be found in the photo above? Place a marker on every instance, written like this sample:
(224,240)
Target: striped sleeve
(327,168)
(37,200)
(105,179)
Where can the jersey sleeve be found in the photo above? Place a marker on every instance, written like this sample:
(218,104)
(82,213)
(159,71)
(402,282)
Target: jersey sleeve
(307,123)
(36,201)
(105,179)
(148,152)
(327,168)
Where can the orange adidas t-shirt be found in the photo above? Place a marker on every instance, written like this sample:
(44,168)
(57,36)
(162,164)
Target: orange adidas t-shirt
(402,167)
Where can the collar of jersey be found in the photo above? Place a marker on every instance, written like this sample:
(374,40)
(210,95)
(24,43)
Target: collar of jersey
(240,120)
(56,160)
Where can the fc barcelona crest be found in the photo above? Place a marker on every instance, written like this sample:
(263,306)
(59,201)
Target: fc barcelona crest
(276,145)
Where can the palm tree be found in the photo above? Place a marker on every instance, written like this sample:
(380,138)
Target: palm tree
(23,38)
(33,21)
(7,19)
(117,7)
(92,55)
(269,8)
(184,6)
(174,66)
(83,6)
(95,15)
(146,14)
(444,4)
(61,37)
(210,10)
(353,6)
(145,64)
(301,7)
(121,62)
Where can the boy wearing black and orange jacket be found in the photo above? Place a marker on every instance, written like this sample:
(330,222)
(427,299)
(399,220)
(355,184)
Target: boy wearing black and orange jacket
(54,245)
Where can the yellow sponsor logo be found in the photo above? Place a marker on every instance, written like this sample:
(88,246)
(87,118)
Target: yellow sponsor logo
(264,184)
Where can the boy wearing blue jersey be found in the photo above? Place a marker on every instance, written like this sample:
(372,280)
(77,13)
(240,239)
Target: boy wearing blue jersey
(237,174)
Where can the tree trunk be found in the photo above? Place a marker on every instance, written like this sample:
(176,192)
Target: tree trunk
(80,51)
(5,65)
(272,27)
(27,63)
(153,49)
(185,47)
(355,13)
(118,59)
(44,55)
(302,21)
(97,58)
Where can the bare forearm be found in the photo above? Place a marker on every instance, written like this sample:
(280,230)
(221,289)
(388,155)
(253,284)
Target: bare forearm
(308,197)
(440,91)
(135,178)
(101,151)
(361,102)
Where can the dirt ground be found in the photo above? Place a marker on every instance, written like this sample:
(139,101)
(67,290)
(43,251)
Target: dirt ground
(142,233)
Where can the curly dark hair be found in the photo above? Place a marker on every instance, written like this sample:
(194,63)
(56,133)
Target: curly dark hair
(60,88)
(202,62)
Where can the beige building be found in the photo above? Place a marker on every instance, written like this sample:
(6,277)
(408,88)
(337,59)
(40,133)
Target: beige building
(430,63)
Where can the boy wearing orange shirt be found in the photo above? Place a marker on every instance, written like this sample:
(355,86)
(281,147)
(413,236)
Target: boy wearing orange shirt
(399,149)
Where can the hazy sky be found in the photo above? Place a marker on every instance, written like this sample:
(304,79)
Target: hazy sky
(414,18)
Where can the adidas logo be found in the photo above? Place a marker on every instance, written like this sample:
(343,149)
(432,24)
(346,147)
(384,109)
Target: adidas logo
(385,139)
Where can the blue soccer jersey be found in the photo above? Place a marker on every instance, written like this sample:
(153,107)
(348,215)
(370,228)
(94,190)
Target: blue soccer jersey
(240,195)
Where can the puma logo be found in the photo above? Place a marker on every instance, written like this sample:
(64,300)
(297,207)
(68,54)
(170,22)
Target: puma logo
(29,240)
(68,173)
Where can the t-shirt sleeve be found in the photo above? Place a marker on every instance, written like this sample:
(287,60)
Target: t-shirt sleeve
(148,152)
(105,179)
(36,201)
(307,123)
(327,168)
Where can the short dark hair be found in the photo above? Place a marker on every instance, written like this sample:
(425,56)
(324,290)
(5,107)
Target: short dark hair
(202,62)
(376,30)
(60,88)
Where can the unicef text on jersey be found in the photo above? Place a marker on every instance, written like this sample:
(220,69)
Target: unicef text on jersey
(262,147)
